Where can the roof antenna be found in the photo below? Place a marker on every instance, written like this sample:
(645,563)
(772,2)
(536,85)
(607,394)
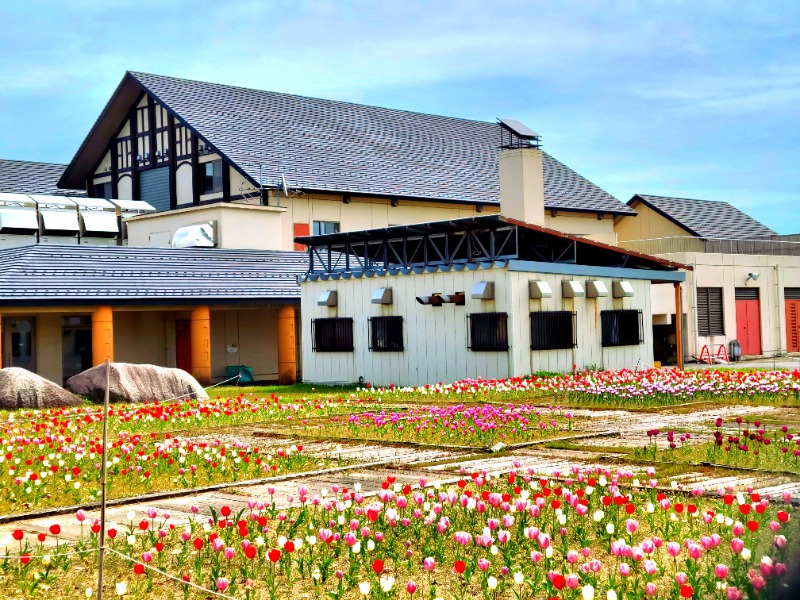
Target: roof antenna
(282,186)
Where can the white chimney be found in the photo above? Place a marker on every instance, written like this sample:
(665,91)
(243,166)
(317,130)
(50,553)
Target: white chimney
(522,184)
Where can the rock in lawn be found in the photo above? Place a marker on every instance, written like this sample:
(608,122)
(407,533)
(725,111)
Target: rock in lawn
(20,388)
(136,383)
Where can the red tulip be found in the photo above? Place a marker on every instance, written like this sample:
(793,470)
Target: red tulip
(459,566)
(198,543)
(55,529)
(138,568)
(377,566)
(18,534)
(274,555)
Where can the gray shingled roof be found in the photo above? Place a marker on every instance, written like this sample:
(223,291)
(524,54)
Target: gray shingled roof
(25,177)
(325,145)
(53,274)
(706,218)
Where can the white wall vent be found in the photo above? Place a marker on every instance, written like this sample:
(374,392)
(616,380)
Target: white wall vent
(572,289)
(483,290)
(622,289)
(328,298)
(540,289)
(596,289)
(382,296)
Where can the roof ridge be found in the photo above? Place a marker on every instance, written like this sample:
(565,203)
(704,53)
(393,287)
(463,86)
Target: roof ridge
(35,162)
(136,74)
(682,198)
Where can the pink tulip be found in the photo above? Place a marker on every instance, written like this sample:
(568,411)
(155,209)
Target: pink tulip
(650,566)
(80,515)
(429,563)
(681,578)
(780,541)
(229,553)
(674,549)
(650,589)
(737,545)
(624,569)
(572,581)
(483,564)
(222,584)
(733,593)
(411,587)
(721,571)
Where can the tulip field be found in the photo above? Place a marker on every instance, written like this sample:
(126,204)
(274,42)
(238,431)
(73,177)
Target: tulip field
(480,425)
(620,528)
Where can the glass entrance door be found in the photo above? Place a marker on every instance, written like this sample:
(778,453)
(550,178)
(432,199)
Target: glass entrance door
(19,342)
(76,345)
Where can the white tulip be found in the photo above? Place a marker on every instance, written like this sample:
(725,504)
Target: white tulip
(491,583)
(364,587)
(519,578)
(587,592)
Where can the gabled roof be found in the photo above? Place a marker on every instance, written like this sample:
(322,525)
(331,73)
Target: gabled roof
(26,177)
(705,218)
(58,275)
(324,145)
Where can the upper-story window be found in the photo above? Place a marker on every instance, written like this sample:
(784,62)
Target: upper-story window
(102,190)
(325,227)
(210,177)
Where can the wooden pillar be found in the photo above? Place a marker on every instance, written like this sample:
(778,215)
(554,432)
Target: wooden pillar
(102,335)
(201,344)
(287,346)
(2,356)
(678,325)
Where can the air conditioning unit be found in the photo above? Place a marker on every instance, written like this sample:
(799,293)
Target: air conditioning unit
(196,235)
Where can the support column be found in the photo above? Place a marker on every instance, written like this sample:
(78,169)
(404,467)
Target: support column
(678,325)
(287,346)
(2,356)
(201,344)
(102,335)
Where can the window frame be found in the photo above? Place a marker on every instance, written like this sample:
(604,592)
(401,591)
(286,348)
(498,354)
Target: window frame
(317,227)
(216,177)
(608,318)
(497,341)
(337,340)
(392,329)
(705,297)
(557,319)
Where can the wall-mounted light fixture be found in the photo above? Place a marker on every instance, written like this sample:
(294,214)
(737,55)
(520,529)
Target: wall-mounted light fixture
(394,202)
(753,276)
(346,198)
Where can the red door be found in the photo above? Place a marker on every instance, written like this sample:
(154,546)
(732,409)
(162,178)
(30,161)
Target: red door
(183,345)
(793,325)
(748,326)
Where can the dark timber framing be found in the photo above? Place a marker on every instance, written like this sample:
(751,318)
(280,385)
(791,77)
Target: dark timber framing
(173,163)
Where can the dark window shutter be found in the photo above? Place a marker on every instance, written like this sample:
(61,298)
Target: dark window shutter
(621,327)
(552,330)
(332,335)
(488,332)
(790,293)
(709,312)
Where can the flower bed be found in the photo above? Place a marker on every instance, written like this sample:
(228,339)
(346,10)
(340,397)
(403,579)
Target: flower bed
(586,534)
(739,443)
(625,388)
(481,425)
(52,457)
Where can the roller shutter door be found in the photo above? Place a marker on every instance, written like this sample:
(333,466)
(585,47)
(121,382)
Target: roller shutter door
(154,187)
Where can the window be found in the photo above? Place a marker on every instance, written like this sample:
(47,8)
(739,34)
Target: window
(102,190)
(621,327)
(332,335)
(386,334)
(325,227)
(488,332)
(210,181)
(709,312)
(553,330)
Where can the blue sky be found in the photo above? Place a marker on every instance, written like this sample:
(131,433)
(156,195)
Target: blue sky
(692,99)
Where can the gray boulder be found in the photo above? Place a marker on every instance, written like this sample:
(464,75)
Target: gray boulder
(20,388)
(136,383)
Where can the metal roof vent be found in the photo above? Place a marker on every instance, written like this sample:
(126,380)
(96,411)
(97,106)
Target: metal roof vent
(622,289)
(514,134)
(596,289)
(540,289)
(572,289)
(382,296)
(196,235)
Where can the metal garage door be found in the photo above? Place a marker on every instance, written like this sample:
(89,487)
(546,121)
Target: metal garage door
(792,296)
(154,187)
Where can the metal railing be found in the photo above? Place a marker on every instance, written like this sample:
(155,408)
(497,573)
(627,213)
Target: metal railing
(672,245)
